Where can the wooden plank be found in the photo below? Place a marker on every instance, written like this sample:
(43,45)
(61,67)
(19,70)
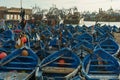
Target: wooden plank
(105,60)
(3,63)
(61,70)
(88,66)
(102,65)
(63,63)
(51,61)
(103,72)
(13,75)
(29,57)
(87,49)
(18,68)
(67,58)
(23,63)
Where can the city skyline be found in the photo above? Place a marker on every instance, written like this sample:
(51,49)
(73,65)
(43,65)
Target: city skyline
(82,5)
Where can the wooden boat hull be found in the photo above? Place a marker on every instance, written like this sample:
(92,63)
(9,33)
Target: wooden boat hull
(19,65)
(109,45)
(84,36)
(7,35)
(16,75)
(83,48)
(100,66)
(63,64)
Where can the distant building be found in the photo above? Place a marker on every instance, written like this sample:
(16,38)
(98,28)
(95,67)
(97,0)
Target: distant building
(2,12)
(13,13)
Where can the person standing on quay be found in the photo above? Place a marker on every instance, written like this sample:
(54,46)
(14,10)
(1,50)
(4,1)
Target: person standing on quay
(23,22)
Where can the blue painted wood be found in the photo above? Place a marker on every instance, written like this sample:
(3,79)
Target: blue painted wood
(71,62)
(17,62)
(109,45)
(100,63)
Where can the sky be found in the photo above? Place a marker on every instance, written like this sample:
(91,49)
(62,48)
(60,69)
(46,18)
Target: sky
(82,5)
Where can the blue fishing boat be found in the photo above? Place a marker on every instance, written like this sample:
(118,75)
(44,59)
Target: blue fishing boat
(46,33)
(115,28)
(106,28)
(67,34)
(101,32)
(70,28)
(84,36)
(9,46)
(7,35)
(83,48)
(19,65)
(109,45)
(61,65)
(56,44)
(42,52)
(100,66)
(3,53)
(35,45)
(53,45)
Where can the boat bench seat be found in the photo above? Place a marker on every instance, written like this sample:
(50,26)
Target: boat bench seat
(102,72)
(59,70)
(27,57)
(112,50)
(67,58)
(22,63)
(102,65)
(18,68)
(63,63)
(110,46)
(95,60)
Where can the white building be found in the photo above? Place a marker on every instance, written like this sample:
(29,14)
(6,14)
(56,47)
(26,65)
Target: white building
(14,13)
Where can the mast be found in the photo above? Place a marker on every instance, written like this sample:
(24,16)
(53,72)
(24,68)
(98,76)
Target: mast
(111,4)
(110,10)
(22,14)
(21,3)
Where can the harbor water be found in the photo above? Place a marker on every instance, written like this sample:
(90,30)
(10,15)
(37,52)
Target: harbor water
(89,23)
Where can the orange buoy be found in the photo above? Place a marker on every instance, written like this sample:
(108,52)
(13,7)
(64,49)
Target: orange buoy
(61,62)
(24,39)
(2,55)
(25,53)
